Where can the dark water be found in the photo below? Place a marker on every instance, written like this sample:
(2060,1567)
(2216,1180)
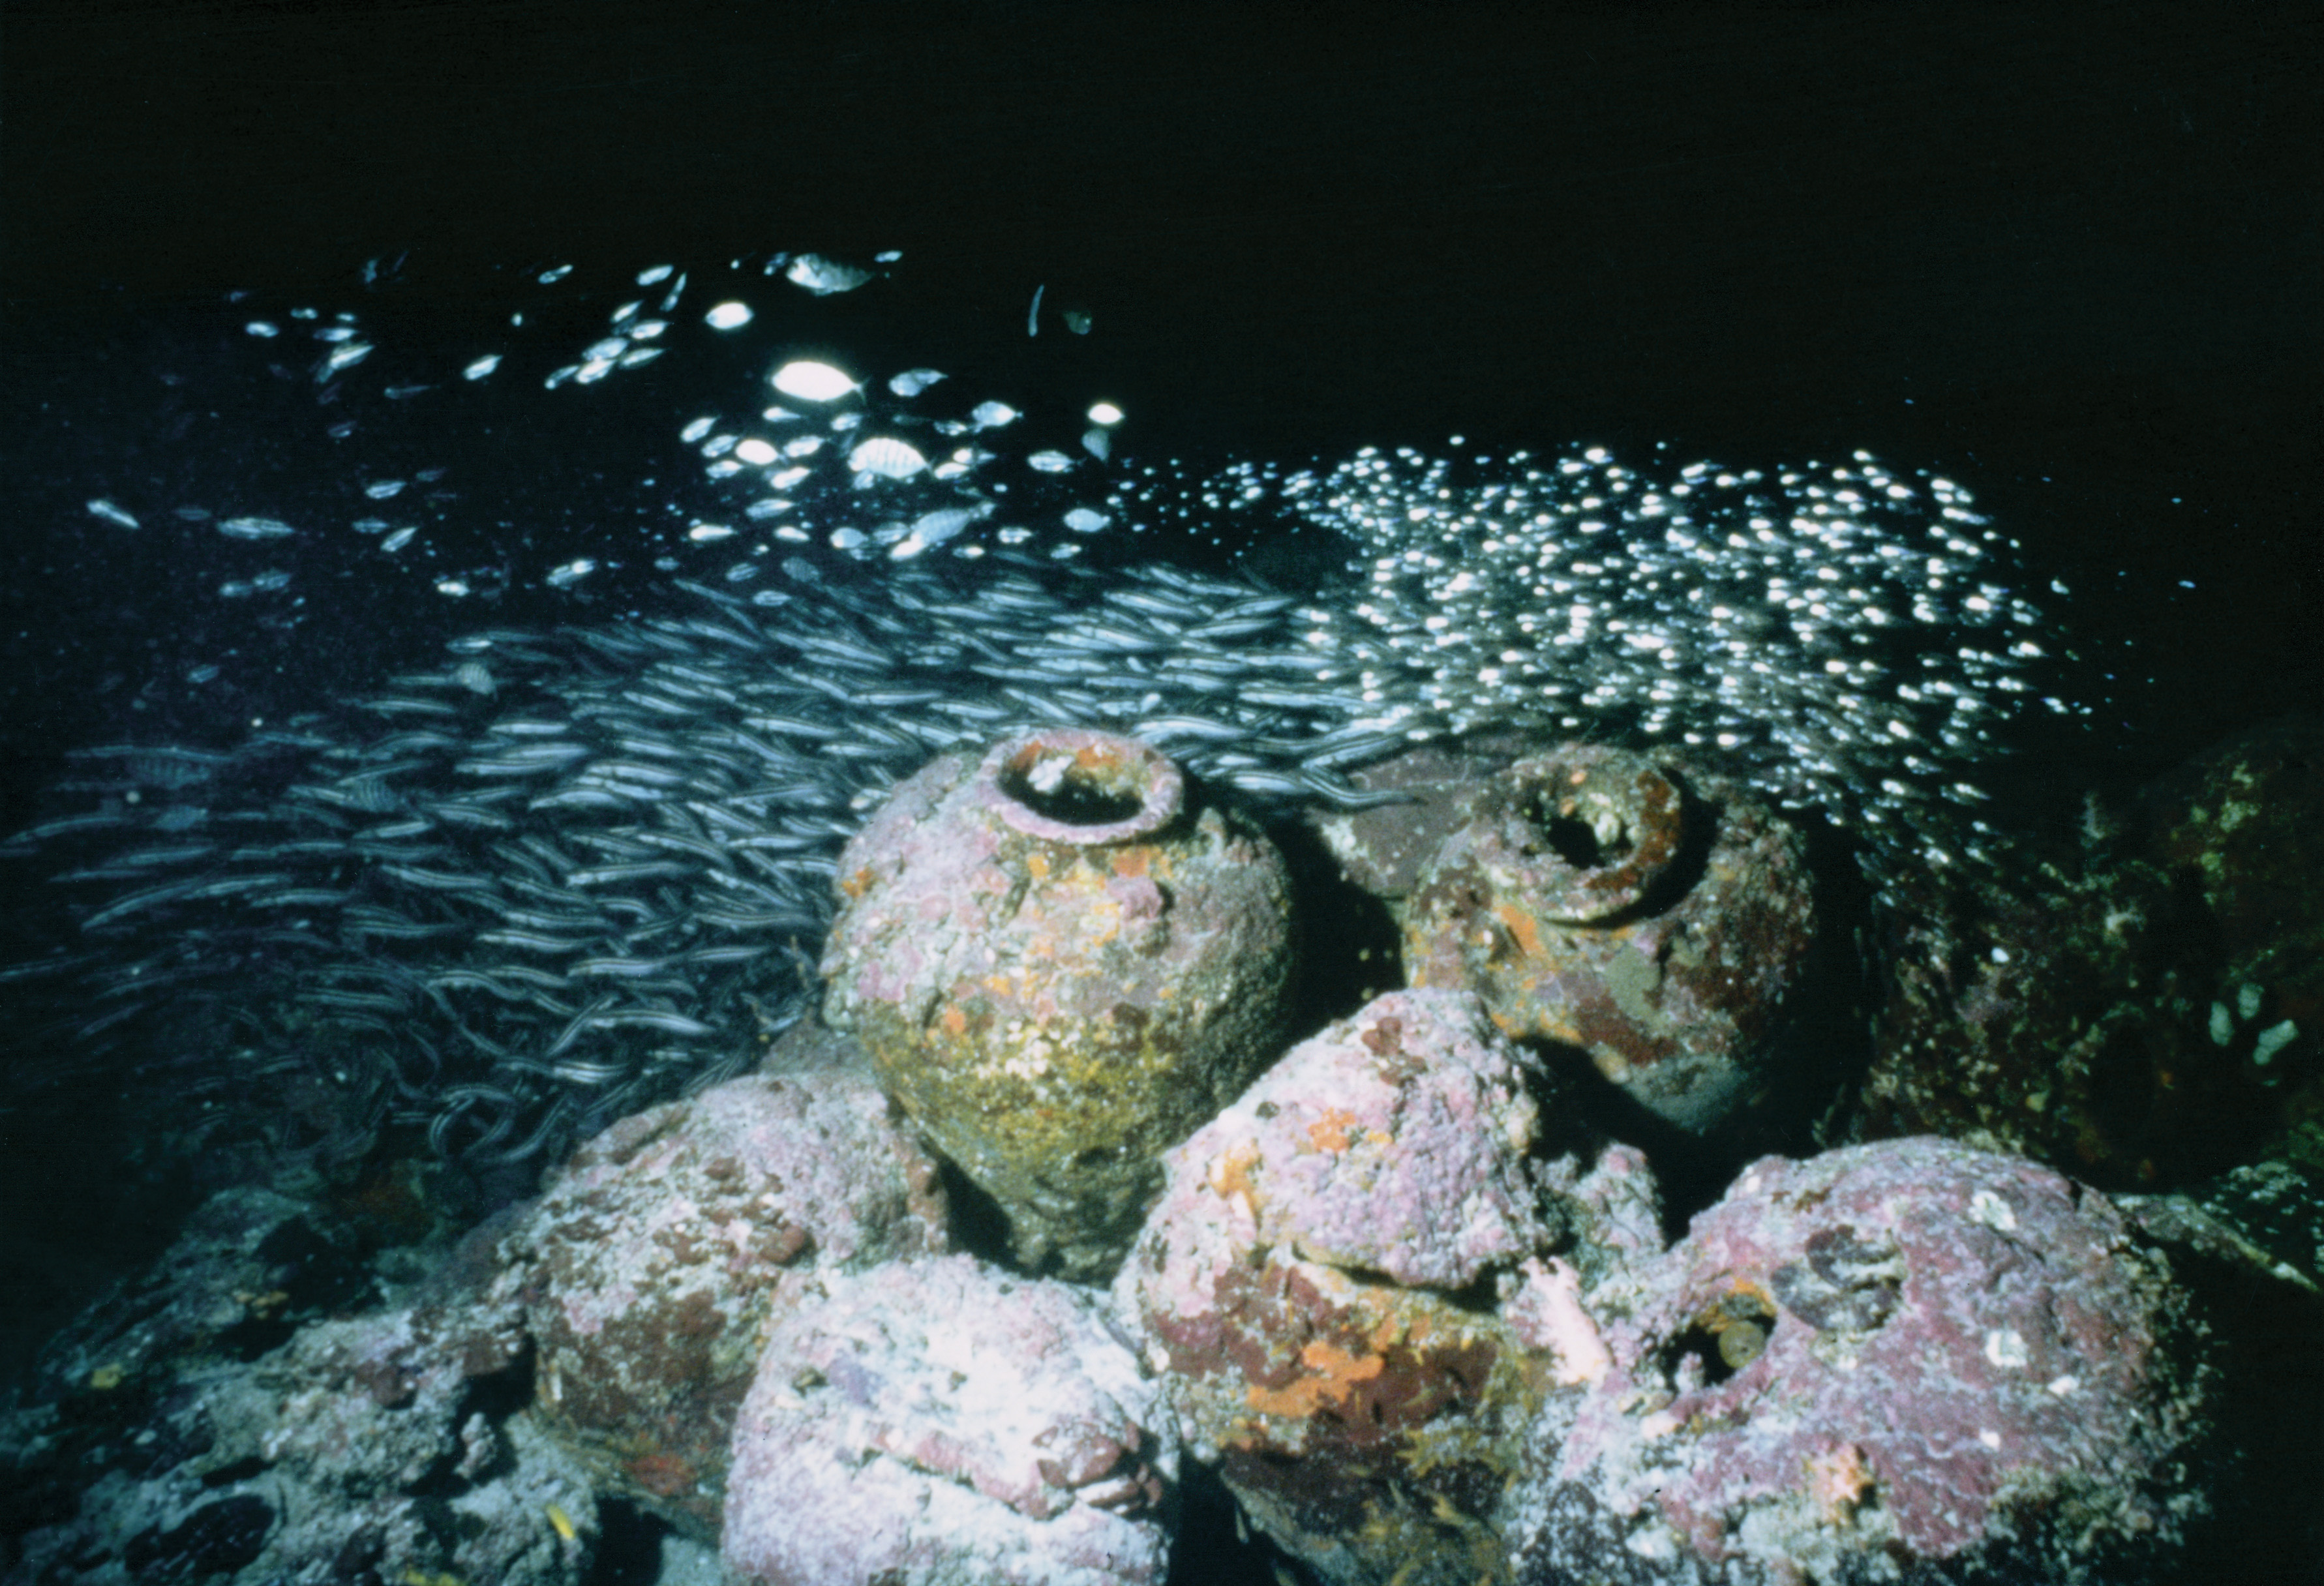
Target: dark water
(2072,266)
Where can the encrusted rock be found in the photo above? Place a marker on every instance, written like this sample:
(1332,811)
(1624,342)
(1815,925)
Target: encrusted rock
(938,1423)
(1063,963)
(393,1445)
(1653,916)
(653,1263)
(248,1266)
(1916,1360)
(1361,1278)
(2148,1013)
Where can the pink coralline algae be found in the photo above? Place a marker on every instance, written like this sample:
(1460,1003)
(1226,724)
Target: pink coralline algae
(1325,1275)
(1914,1360)
(938,1423)
(652,1266)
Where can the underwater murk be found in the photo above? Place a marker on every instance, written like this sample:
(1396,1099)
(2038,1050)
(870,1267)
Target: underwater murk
(511,673)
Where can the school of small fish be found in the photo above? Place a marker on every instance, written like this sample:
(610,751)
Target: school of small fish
(576,869)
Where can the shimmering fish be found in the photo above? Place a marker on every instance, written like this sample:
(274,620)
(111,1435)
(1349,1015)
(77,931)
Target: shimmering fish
(594,848)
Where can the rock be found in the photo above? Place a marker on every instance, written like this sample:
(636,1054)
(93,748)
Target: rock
(248,1265)
(2241,824)
(1915,1356)
(218,1538)
(1361,1278)
(1652,914)
(374,1403)
(2266,1315)
(2277,1207)
(938,1423)
(654,1262)
(393,1445)
(2146,1017)
(1061,963)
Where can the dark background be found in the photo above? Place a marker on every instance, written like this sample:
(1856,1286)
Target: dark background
(2071,255)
